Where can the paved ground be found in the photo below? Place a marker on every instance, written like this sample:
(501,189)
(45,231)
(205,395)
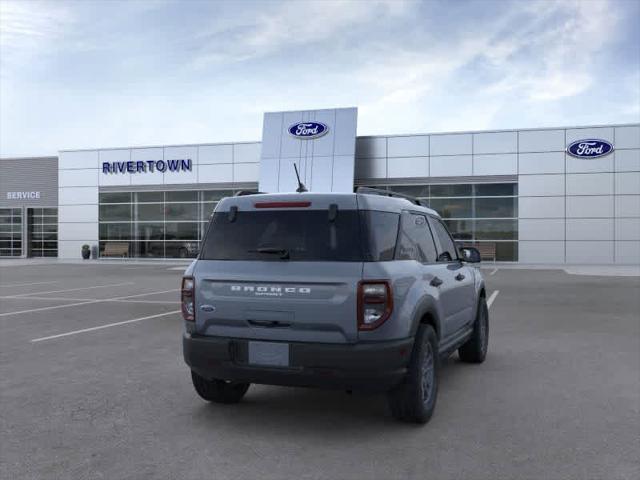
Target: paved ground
(558,396)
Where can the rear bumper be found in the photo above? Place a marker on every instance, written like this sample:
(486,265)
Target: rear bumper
(370,366)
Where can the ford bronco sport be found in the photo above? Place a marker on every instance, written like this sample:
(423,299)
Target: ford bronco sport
(352,291)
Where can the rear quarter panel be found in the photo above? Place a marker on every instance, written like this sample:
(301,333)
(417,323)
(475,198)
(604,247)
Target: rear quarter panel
(412,297)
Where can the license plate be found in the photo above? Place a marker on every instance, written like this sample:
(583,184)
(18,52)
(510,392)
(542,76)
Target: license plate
(269,354)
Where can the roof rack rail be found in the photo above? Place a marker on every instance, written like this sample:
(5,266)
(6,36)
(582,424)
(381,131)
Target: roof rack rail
(391,193)
(243,193)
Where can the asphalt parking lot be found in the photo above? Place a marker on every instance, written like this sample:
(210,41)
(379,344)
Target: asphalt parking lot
(93,385)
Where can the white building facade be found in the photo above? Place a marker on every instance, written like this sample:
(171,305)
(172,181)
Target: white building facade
(519,193)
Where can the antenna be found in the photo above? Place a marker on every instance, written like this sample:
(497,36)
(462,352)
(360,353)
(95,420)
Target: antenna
(301,188)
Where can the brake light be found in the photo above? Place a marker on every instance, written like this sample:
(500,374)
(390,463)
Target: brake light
(281,204)
(375,303)
(187,298)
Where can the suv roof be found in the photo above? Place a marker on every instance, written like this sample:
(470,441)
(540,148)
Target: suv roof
(322,201)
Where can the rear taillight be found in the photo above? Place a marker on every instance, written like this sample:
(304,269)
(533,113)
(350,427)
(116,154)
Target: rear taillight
(375,303)
(187,298)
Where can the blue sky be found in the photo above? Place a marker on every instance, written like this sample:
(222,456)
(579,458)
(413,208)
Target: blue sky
(100,74)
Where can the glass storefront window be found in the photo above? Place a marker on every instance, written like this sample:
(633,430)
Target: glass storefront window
(460,229)
(455,190)
(475,213)
(42,231)
(149,231)
(115,213)
(10,232)
(116,197)
(418,191)
(215,195)
(181,211)
(496,229)
(452,207)
(181,196)
(115,231)
(149,212)
(181,231)
(207,210)
(153,197)
(496,189)
(496,207)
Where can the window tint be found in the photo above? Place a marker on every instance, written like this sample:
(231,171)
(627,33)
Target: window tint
(415,241)
(306,235)
(381,228)
(447,248)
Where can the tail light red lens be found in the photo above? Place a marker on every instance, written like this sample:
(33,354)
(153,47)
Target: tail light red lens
(375,303)
(187,298)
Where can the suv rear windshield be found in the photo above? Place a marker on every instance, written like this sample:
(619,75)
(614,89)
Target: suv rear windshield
(301,235)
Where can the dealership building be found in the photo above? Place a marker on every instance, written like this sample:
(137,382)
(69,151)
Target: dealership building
(544,195)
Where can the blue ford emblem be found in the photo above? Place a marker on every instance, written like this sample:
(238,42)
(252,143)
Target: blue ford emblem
(590,148)
(308,130)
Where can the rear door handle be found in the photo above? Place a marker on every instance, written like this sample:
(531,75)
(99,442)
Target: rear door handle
(459,277)
(436,282)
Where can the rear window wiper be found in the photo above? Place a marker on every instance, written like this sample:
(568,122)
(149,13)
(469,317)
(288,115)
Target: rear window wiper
(283,252)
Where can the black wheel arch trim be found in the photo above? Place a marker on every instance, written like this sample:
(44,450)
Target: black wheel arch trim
(427,307)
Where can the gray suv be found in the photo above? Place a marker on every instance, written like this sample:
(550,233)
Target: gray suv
(361,291)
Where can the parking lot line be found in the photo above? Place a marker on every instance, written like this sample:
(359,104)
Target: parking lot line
(87,302)
(41,309)
(84,330)
(492,297)
(25,284)
(493,272)
(75,289)
(68,299)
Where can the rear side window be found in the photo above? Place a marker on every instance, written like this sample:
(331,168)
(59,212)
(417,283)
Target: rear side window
(305,235)
(414,240)
(447,248)
(379,230)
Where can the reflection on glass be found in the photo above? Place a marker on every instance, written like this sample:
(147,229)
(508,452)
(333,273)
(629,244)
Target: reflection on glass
(496,189)
(215,195)
(411,190)
(181,211)
(188,196)
(181,231)
(117,197)
(455,190)
(157,197)
(149,231)
(496,229)
(115,213)
(460,229)
(496,207)
(452,207)
(149,212)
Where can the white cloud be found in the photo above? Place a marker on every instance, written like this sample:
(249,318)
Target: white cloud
(288,24)
(27,27)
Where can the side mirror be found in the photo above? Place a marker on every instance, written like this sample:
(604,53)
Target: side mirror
(470,254)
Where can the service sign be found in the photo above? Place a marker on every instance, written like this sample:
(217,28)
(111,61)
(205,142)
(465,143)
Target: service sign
(589,148)
(23,195)
(308,130)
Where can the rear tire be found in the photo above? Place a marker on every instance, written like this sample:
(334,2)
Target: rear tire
(475,349)
(218,391)
(415,399)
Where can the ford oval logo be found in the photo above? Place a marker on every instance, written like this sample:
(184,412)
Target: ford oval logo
(308,130)
(590,148)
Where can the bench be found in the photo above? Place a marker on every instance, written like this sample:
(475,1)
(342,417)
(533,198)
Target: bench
(487,250)
(116,250)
